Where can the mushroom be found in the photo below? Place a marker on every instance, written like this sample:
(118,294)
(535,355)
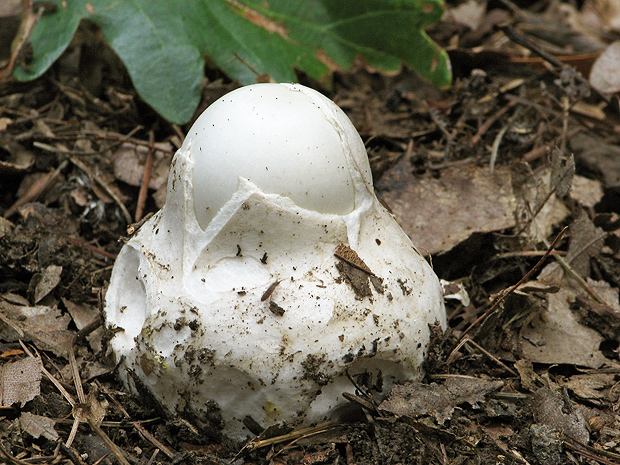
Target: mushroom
(272,273)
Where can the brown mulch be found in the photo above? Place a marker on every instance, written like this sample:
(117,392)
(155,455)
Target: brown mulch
(73,159)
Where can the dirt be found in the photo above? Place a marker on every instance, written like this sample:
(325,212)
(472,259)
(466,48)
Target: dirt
(527,370)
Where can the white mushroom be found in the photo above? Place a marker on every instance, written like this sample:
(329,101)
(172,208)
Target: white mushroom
(271,270)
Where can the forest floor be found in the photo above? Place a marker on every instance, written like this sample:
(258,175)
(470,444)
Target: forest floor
(509,182)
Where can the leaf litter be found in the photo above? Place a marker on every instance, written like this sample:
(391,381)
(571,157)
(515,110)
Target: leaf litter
(483,177)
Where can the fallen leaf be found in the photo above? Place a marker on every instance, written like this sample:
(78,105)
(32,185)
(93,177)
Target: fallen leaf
(586,242)
(468,198)
(129,163)
(5,227)
(562,171)
(587,192)
(526,373)
(95,409)
(599,316)
(604,76)
(346,253)
(559,338)
(45,326)
(415,398)
(469,13)
(592,386)
(597,157)
(357,279)
(546,443)
(535,197)
(45,282)
(549,407)
(83,315)
(37,426)
(20,381)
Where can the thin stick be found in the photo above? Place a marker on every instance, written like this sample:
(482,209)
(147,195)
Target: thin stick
(96,250)
(517,38)
(503,294)
(304,432)
(146,177)
(484,127)
(105,187)
(37,189)
(148,436)
(68,397)
(484,351)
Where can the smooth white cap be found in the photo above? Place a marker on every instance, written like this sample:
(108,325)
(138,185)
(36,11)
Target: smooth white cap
(287,139)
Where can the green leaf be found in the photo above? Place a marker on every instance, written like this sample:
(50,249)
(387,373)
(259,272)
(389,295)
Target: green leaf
(164,43)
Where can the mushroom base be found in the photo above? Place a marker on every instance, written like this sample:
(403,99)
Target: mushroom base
(263,313)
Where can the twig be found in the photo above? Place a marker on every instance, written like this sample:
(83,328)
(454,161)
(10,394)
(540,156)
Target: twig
(82,243)
(105,187)
(71,454)
(506,292)
(526,253)
(4,453)
(484,127)
(594,454)
(20,42)
(304,432)
(584,285)
(519,39)
(37,189)
(360,401)
(495,148)
(79,410)
(89,328)
(484,351)
(153,457)
(108,442)
(137,425)
(144,186)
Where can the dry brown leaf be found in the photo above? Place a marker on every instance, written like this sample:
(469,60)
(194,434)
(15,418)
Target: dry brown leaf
(45,282)
(534,194)
(602,14)
(5,227)
(129,162)
(604,75)
(37,426)
(20,381)
(562,171)
(549,407)
(587,192)
(20,159)
(95,409)
(414,398)
(469,13)
(586,242)
(83,315)
(45,326)
(591,386)
(559,338)
(468,198)
(526,374)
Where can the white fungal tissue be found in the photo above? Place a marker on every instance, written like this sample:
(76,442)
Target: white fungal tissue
(271,270)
